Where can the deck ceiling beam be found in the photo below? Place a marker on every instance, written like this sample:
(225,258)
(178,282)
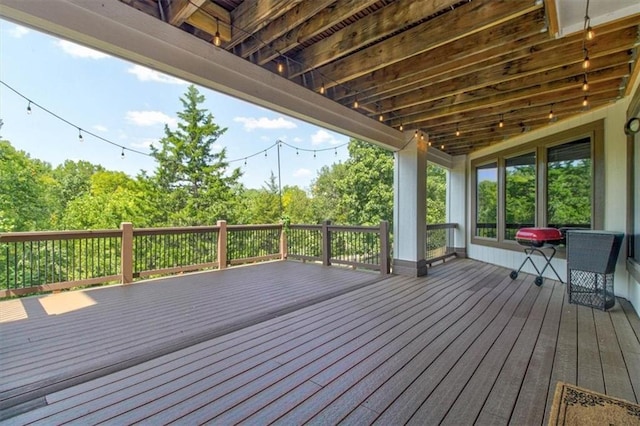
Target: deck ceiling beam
(281,26)
(488,45)
(251,16)
(465,20)
(378,25)
(533,70)
(117,29)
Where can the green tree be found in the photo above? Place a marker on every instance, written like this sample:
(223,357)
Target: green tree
(263,205)
(297,205)
(192,179)
(23,191)
(112,199)
(436,194)
(327,194)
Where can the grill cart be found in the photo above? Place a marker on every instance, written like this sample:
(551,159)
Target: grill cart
(535,240)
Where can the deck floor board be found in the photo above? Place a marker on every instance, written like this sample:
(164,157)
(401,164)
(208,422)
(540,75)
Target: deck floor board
(463,345)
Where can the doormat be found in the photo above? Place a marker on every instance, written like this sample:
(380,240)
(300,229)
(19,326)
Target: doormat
(573,405)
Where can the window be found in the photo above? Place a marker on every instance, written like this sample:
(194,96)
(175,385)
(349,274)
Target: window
(487,200)
(555,181)
(569,185)
(520,193)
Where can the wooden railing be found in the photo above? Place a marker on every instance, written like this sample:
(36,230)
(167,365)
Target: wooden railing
(54,260)
(440,242)
(356,246)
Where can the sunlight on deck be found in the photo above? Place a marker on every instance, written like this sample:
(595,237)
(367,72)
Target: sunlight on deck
(62,303)
(12,310)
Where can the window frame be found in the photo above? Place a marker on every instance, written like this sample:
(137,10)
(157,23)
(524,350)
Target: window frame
(594,131)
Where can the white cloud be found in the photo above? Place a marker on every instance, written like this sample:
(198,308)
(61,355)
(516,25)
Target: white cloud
(146,74)
(297,139)
(19,31)
(150,118)
(251,123)
(323,137)
(143,143)
(78,51)
(100,128)
(302,173)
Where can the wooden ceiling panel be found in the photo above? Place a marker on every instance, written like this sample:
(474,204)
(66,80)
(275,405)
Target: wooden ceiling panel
(430,65)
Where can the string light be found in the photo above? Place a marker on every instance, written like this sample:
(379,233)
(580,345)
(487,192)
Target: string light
(216,39)
(335,152)
(355,103)
(501,124)
(314,154)
(590,33)
(122,154)
(401,128)
(80,130)
(280,67)
(457,130)
(442,147)
(585,83)
(585,101)
(380,118)
(587,63)
(551,113)
(322,89)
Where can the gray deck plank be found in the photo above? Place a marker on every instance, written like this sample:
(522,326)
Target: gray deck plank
(471,400)
(532,399)
(630,348)
(464,345)
(616,376)
(502,398)
(589,364)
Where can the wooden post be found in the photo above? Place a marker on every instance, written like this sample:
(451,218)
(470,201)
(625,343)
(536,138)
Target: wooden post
(385,258)
(283,243)
(126,253)
(222,244)
(326,243)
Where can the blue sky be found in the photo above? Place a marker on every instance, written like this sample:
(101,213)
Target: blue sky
(128,105)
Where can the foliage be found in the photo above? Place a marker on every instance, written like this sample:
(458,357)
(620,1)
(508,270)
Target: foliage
(190,176)
(23,199)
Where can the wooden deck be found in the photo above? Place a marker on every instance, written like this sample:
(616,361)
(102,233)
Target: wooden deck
(464,345)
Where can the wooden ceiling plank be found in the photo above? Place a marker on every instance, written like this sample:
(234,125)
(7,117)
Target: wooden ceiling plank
(338,12)
(471,18)
(516,37)
(446,62)
(252,15)
(537,68)
(545,94)
(280,26)
(180,10)
(205,22)
(480,119)
(365,31)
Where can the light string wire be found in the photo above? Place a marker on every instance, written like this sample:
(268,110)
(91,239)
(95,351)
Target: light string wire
(81,131)
(312,70)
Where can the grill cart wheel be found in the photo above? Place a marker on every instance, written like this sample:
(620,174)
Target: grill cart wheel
(513,275)
(539,281)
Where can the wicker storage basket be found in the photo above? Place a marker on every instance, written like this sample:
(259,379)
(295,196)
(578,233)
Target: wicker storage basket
(591,262)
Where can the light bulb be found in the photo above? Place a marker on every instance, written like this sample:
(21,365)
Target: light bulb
(122,154)
(381,118)
(551,115)
(585,102)
(355,103)
(80,138)
(457,132)
(586,64)
(217,41)
(322,89)
(280,67)
(29,108)
(501,124)
(585,85)
(401,127)
(590,33)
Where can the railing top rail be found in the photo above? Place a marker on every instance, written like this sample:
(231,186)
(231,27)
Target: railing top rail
(432,226)
(254,227)
(13,237)
(307,227)
(348,228)
(175,230)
